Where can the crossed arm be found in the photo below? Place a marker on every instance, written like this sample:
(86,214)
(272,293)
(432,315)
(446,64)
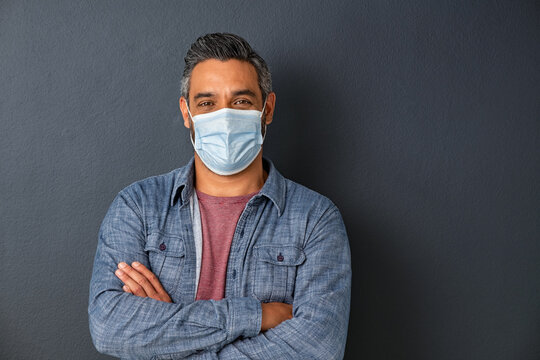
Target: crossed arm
(138,327)
(140,281)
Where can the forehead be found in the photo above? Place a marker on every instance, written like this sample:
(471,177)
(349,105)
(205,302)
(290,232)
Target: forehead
(223,76)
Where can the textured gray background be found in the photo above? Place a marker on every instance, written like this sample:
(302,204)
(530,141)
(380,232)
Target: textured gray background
(420,120)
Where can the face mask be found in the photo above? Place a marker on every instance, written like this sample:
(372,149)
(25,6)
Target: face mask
(228,140)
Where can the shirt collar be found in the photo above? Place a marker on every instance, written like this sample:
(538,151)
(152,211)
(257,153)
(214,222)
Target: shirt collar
(274,187)
(183,182)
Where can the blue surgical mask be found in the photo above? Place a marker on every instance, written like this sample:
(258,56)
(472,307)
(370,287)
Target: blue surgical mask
(228,140)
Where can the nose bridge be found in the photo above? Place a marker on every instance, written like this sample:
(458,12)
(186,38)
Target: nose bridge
(224,98)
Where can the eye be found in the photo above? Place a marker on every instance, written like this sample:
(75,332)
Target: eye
(242,102)
(205,103)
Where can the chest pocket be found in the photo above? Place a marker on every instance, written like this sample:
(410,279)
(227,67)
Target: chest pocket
(166,255)
(275,272)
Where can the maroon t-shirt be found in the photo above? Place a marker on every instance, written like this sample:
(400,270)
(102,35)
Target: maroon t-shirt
(219,216)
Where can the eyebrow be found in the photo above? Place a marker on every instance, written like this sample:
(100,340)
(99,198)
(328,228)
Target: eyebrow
(235,93)
(203,95)
(244,92)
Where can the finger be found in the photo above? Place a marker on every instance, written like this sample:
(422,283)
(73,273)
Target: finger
(135,288)
(161,294)
(149,275)
(290,311)
(127,289)
(139,278)
(139,285)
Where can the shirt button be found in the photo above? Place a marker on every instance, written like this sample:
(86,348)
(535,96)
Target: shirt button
(162,246)
(242,233)
(234,274)
(280,258)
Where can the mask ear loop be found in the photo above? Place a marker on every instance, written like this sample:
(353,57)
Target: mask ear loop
(193,125)
(263,115)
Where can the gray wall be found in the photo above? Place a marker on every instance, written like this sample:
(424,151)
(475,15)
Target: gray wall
(419,119)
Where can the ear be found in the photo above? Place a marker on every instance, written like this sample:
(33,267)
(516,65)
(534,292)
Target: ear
(184,110)
(270,106)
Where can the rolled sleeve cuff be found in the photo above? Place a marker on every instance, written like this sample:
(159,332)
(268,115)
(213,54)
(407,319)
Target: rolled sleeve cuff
(246,318)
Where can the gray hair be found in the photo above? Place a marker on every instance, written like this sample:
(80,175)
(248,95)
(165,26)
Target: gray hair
(224,46)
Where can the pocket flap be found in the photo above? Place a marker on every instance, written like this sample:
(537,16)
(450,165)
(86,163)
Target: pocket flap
(167,245)
(288,255)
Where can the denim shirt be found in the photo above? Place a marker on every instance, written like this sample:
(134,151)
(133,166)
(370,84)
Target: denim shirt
(290,245)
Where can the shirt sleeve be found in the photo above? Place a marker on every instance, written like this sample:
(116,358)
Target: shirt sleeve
(132,327)
(318,329)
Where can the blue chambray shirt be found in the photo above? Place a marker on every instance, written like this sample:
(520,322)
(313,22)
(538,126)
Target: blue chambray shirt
(290,245)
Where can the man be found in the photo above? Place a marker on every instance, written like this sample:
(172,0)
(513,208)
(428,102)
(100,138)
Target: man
(223,258)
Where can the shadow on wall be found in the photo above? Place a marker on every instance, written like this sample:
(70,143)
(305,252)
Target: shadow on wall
(310,143)
(384,313)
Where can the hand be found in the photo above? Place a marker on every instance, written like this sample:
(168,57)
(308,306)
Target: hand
(274,313)
(141,282)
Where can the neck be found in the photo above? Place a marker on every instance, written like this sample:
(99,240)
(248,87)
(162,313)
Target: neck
(248,181)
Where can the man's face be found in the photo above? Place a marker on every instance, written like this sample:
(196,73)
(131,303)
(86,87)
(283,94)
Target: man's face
(218,84)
